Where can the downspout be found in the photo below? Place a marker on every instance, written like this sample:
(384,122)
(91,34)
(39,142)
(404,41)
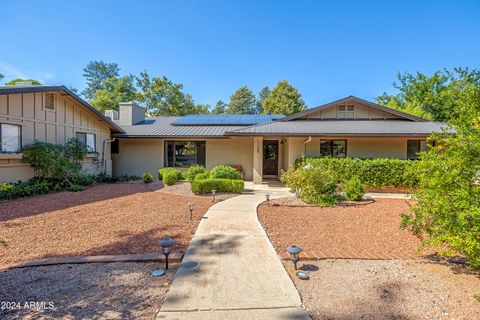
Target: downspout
(103,154)
(305,145)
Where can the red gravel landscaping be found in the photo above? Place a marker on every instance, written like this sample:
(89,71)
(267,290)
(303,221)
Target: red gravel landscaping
(105,219)
(367,231)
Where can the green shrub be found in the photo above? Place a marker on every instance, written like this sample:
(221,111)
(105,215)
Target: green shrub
(193,171)
(147,177)
(76,188)
(177,172)
(35,186)
(354,189)
(371,172)
(170,178)
(201,186)
(224,172)
(204,175)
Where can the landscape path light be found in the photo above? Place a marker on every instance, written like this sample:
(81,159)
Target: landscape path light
(167,245)
(294,252)
(213,195)
(267,197)
(190,208)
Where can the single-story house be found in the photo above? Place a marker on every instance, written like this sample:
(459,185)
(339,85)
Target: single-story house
(127,142)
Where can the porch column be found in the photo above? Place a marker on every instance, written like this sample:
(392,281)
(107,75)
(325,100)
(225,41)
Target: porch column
(257,160)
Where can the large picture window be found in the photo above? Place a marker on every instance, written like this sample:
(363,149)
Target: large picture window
(414,147)
(333,148)
(88,139)
(10,137)
(184,153)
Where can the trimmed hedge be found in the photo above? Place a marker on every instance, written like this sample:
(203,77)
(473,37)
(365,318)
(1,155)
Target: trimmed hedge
(200,186)
(204,175)
(192,171)
(170,178)
(224,172)
(371,172)
(162,171)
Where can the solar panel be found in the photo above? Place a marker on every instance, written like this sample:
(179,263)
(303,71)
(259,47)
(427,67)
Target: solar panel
(226,119)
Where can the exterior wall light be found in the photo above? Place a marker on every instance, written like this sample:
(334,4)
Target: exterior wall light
(294,252)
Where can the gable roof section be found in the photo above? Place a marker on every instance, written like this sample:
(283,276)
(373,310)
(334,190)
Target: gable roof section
(39,88)
(358,100)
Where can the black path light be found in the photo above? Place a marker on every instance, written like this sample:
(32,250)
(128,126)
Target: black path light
(167,245)
(213,195)
(190,208)
(267,197)
(294,252)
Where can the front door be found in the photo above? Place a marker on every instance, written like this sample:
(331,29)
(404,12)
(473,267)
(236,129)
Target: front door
(270,158)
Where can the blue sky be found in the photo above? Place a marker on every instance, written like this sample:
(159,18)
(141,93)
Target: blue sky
(327,49)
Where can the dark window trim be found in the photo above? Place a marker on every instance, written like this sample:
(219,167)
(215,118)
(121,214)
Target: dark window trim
(85,142)
(419,147)
(331,147)
(165,150)
(19,137)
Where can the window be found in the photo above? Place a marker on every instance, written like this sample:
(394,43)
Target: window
(10,137)
(184,153)
(414,147)
(49,100)
(88,139)
(333,148)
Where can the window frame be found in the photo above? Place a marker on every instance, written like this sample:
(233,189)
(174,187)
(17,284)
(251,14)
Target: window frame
(331,142)
(175,142)
(419,149)
(19,137)
(85,142)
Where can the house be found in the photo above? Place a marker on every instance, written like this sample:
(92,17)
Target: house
(127,142)
(52,114)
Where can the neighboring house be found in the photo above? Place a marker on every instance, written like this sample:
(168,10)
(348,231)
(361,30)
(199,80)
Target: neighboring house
(52,114)
(262,145)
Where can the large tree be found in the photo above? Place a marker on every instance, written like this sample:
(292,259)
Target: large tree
(262,96)
(160,96)
(114,90)
(284,99)
(1,76)
(242,102)
(14,81)
(433,97)
(220,107)
(446,214)
(96,73)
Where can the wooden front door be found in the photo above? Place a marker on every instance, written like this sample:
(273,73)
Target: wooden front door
(270,158)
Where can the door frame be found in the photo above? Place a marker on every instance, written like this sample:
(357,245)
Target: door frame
(276,142)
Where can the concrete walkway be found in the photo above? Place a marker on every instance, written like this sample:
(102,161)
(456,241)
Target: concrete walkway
(231,270)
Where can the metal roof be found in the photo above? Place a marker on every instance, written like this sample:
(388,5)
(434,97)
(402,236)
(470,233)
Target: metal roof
(41,88)
(361,101)
(162,127)
(225,119)
(341,128)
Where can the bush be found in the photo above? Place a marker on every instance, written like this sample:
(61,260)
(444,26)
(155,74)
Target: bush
(204,175)
(201,186)
(354,189)
(371,172)
(192,172)
(147,177)
(177,172)
(35,186)
(170,178)
(224,172)
(76,188)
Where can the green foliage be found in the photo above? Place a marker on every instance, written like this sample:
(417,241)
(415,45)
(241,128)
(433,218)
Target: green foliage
(114,90)
(204,175)
(163,171)
(220,107)
(170,178)
(447,212)
(242,102)
(76,188)
(262,96)
(312,184)
(354,189)
(147,177)
(193,171)
(96,72)
(201,186)
(35,186)
(371,172)
(433,97)
(14,81)
(224,172)
(1,76)
(284,99)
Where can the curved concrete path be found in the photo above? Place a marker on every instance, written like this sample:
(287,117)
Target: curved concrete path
(237,273)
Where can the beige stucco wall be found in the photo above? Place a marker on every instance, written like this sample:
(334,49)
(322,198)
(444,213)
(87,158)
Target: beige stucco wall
(54,126)
(139,155)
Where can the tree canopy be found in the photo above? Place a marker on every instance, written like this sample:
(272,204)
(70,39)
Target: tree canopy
(1,76)
(434,97)
(114,90)
(96,73)
(242,101)
(284,99)
(262,96)
(14,81)
(220,107)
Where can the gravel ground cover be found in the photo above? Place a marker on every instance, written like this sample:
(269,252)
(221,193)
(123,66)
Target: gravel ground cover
(369,230)
(90,291)
(105,219)
(388,289)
